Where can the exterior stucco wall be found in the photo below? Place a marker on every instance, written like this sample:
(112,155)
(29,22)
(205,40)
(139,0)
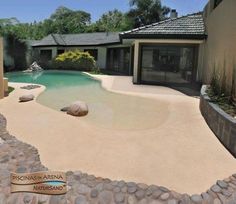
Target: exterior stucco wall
(219,50)
(102,57)
(201,52)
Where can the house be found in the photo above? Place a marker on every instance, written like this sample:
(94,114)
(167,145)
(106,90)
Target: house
(167,51)
(179,50)
(106,48)
(163,52)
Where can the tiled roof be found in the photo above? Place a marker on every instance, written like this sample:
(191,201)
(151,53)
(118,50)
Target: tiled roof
(79,39)
(185,26)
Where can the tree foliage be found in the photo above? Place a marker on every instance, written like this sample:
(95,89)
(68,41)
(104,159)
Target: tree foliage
(65,21)
(75,60)
(147,11)
(16,49)
(113,21)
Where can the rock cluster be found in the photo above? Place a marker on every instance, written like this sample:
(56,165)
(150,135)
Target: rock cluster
(26,98)
(30,87)
(16,156)
(34,67)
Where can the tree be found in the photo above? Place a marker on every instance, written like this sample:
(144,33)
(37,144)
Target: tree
(65,20)
(17,49)
(111,21)
(147,11)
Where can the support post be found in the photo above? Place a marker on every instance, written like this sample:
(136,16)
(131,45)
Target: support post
(136,62)
(1,69)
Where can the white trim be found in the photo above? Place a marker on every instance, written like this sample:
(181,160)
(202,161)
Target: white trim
(169,41)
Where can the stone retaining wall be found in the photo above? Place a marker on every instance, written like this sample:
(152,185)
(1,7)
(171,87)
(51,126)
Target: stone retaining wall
(16,156)
(222,124)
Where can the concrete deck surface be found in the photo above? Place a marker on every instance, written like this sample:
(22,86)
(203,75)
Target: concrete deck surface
(182,154)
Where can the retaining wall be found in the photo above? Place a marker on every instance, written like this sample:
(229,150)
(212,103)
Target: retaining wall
(222,124)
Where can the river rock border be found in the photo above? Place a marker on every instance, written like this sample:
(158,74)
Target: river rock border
(222,124)
(16,156)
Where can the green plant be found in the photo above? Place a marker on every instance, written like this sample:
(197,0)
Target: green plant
(75,60)
(215,82)
(233,89)
(219,82)
(221,93)
(96,70)
(10,89)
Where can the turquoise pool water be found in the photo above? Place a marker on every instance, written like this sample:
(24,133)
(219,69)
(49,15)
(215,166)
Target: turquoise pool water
(106,109)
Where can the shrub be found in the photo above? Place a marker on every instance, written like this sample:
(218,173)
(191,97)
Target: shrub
(222,94)
(216,83)
(219,82)
(74,60)
(95,70)
(233,89)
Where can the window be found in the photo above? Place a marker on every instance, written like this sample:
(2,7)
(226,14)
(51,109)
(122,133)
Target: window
(167,64)
(93,53)
(60,51)
(217,2)
(46,55)
(118,60)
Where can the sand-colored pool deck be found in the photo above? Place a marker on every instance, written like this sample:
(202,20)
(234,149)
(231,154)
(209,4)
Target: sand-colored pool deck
(181,154)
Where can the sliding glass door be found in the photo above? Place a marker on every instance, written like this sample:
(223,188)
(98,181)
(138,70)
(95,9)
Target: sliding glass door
(118,60)
(167,64)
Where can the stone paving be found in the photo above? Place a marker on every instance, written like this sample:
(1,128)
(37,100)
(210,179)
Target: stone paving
(16,156)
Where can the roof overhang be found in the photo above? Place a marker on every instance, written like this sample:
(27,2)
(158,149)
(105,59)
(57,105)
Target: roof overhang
(163,36)
(168,41)
(80,45)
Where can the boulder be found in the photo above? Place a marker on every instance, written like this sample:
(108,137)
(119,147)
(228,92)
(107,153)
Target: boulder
(65,109)
(78,108)
(26,98)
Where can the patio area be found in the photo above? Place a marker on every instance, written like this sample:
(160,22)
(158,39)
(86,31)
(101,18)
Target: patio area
(181,153)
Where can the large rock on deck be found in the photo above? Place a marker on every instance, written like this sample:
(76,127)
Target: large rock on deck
(26,98)
(78,108)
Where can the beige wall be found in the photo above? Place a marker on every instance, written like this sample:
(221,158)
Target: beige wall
(102,57)
(1,69)
(219,49)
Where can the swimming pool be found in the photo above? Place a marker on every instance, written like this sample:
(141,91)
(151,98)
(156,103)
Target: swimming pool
(106,109)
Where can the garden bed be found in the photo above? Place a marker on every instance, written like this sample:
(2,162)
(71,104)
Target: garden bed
(220,122)
(224,102)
